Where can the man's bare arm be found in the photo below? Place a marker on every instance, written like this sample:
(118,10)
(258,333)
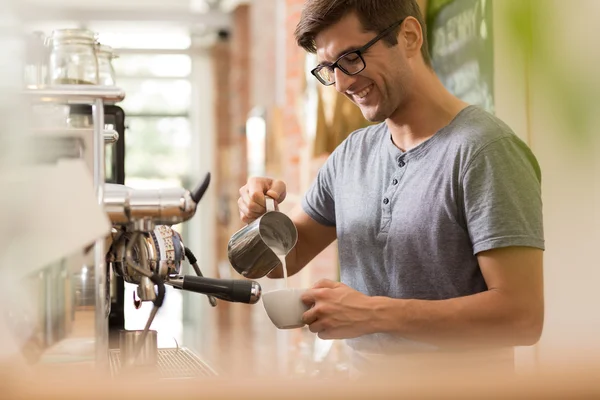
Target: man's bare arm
(509,313)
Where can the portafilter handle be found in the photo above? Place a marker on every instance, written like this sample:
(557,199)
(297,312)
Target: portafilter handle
(233,290)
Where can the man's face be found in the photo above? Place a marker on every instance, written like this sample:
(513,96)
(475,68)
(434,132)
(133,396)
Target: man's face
(380,88)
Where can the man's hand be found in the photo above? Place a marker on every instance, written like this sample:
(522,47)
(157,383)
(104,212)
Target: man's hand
(337,311)
(252,197)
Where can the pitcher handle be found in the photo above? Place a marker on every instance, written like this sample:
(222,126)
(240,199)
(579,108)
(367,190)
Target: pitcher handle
(270,203)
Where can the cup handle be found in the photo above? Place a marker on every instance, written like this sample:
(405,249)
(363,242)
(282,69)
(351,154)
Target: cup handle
(270,203)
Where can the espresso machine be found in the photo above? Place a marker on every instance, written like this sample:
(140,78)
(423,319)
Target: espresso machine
(141,246)
(146,251)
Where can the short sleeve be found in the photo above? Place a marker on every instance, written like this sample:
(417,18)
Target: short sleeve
(319,200)
(502,196)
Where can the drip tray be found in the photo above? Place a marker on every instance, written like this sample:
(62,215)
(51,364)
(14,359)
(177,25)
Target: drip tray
(176,363)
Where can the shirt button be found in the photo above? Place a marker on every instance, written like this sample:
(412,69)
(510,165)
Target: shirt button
(401,163)
(395,182)
(386,200)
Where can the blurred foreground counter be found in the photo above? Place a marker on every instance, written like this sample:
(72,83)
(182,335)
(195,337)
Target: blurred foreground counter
(562,383)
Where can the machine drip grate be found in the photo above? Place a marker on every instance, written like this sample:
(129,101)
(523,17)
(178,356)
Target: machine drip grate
(177,363)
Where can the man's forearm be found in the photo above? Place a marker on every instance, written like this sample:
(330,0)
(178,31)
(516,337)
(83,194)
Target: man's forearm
(490,318)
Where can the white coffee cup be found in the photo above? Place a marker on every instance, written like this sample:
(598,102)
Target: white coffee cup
(284,307)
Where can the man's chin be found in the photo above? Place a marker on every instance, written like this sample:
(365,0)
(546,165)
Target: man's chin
(372,115)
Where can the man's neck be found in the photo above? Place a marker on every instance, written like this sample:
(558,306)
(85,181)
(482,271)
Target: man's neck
(430,108)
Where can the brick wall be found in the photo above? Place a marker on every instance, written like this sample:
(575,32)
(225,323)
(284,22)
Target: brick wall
(231,67)
(221,65)
(298,148)
(263,30)
(245,70)
(240,74)
(294,142)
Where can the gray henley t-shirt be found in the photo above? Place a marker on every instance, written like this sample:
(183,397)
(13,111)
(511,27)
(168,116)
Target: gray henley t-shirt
(410,224)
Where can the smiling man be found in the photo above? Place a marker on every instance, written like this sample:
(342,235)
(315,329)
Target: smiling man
(437,209)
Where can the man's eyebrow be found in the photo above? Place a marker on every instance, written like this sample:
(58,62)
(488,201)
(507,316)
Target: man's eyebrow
(339,54)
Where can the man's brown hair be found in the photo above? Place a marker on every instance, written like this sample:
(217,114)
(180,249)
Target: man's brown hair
(374,15)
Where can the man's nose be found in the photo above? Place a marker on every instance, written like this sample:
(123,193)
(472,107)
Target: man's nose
(343,81)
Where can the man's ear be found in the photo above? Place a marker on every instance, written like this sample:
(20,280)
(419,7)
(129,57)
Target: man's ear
(411,37)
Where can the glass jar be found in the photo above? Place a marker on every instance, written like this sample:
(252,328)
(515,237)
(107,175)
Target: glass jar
(36,61)
(73,57)
(106,71)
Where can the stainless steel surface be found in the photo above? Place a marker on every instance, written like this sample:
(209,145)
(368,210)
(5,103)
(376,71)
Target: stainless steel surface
(76,94)
(55,299)
(110,135)
(178,363)
(116,203)
(147,348)
(176,282)
(145,290)
(255,293)
(100,273)
(250,249)
(163,250)
(88,303)
(139,265)
(162,206)
(145,224)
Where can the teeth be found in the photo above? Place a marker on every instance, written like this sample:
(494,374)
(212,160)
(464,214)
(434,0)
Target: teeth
(363,93)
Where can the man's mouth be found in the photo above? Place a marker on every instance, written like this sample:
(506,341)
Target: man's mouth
(363,93)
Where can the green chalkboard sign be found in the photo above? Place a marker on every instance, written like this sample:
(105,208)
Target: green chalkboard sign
(461,46)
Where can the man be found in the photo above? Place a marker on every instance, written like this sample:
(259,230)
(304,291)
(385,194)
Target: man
(437,210)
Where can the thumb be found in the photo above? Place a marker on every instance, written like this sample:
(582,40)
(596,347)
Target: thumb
(277,191)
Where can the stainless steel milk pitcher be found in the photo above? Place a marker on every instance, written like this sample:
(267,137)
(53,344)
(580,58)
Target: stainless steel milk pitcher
(250,249)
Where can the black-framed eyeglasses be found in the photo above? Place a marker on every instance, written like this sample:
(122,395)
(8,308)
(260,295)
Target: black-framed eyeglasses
(350,63)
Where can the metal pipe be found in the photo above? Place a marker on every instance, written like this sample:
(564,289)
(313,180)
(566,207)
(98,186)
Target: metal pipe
(110,135)
(78,94)
(102,311)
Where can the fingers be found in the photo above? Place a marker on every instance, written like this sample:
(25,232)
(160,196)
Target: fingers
(244,212)
(277,191)
(325,284)
(257,187)
(309,316)
(308,297)
(251,203)
(328,335)
(315,317)
(323,330)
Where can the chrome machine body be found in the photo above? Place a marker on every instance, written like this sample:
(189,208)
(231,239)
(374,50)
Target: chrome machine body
(142,248)
(146,251)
